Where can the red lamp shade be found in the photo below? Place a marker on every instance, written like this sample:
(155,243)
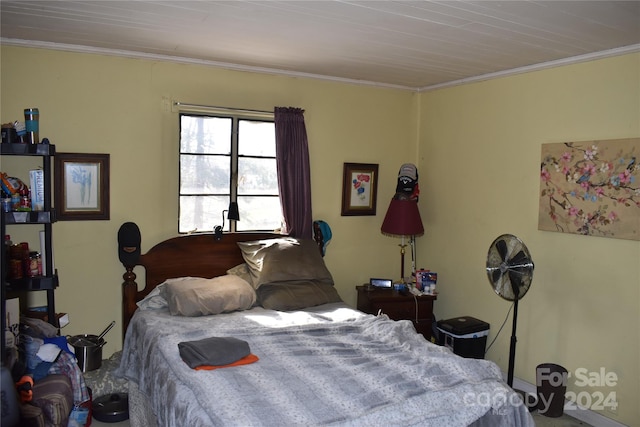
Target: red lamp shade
(402,219)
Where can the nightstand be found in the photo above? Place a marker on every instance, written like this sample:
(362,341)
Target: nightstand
(398,307)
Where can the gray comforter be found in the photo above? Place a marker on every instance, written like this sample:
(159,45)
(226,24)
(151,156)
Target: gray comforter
(329,365)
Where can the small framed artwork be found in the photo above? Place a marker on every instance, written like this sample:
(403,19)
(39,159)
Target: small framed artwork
(359,189)
(81,186)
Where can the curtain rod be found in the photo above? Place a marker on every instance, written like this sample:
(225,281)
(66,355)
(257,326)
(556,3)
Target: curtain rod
(214,107)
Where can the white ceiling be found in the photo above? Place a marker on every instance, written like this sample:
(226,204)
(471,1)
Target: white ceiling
(410,44)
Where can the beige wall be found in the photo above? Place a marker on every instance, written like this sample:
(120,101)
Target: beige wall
(102,104)
(479,162)
(477,151)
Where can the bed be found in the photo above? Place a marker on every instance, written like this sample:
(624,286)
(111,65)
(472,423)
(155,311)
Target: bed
(301,355)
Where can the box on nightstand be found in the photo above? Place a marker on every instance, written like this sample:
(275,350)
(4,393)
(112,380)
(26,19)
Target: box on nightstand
(466,336)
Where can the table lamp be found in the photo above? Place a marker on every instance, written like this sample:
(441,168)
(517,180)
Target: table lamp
(402,220)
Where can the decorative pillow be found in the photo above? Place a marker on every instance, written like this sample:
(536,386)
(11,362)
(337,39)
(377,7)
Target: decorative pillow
(296,295)
(194,296)
(284,259)
(242,271)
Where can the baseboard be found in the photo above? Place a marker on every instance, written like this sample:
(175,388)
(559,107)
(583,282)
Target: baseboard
(586,415)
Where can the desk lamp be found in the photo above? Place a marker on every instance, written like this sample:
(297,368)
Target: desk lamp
(232,214)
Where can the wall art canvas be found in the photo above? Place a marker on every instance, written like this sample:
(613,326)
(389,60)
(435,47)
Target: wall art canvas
(591,188)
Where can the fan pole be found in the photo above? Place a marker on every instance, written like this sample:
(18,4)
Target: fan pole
(512,349)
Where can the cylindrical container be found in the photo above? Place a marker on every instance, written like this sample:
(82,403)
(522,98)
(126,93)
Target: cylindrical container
(15,269)
(25,204)
(15,201)
(32,125)
(6,204)
(9,135)
(35,268)
(15,251)
(551,383)
(88,350)
(25,259)
(21,132)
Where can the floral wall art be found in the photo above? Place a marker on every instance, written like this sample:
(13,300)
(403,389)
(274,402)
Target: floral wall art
(591,188)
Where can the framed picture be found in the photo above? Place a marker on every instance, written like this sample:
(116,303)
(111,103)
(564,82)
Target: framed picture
(359,189)
(81,186)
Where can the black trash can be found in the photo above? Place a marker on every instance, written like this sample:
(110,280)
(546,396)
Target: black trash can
(551,384)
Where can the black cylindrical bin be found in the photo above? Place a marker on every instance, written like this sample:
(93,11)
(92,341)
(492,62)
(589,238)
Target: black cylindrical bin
(551,383)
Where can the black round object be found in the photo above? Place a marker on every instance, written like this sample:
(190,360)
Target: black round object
(129,244)
(509,267)
(111,408)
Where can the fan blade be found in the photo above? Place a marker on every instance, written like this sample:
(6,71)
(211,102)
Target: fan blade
(515,278)
(501,246)
(495,274)
(519,259)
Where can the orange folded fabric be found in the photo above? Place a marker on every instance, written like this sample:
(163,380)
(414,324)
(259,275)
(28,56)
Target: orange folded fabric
(251,358)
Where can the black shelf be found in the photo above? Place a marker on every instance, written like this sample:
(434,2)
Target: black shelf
(44,219)
(30,217)
(37,283)
(28,149)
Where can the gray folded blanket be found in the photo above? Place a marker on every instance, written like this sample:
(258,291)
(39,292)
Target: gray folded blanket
(214,351)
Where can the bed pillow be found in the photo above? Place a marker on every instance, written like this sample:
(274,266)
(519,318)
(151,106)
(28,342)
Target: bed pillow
(253,254)
(296,295)
(242,271)
(283,260)
(155,299)
(196,296)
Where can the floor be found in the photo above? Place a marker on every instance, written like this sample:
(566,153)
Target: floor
(563,421)
(96,423)
(541,421)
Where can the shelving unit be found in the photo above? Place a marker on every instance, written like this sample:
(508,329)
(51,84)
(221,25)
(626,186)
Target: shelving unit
(48,282)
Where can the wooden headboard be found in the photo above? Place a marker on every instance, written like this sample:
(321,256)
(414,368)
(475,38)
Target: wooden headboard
(196,255)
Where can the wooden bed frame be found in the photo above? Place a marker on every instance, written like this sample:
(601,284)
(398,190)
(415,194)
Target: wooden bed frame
(196,255)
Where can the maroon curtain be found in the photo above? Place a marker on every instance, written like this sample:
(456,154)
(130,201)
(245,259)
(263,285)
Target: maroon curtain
(294,177)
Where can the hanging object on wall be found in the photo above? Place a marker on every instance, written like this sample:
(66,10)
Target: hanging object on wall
(407,186)
(322,234)
(129,244)
(591,188)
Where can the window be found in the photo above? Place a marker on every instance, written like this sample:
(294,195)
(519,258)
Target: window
(227,158)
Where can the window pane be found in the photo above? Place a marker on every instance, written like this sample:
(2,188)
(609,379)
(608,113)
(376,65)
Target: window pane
(199,134)
(257,176)
(256,138)
(202,213)
(204,174)
(210,150)
(259,213)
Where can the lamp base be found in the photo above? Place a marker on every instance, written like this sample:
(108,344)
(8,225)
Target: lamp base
(217,232)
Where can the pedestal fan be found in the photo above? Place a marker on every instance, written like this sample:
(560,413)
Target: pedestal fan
(510,270)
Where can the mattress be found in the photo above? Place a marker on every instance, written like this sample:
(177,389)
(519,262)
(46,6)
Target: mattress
(325,365)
